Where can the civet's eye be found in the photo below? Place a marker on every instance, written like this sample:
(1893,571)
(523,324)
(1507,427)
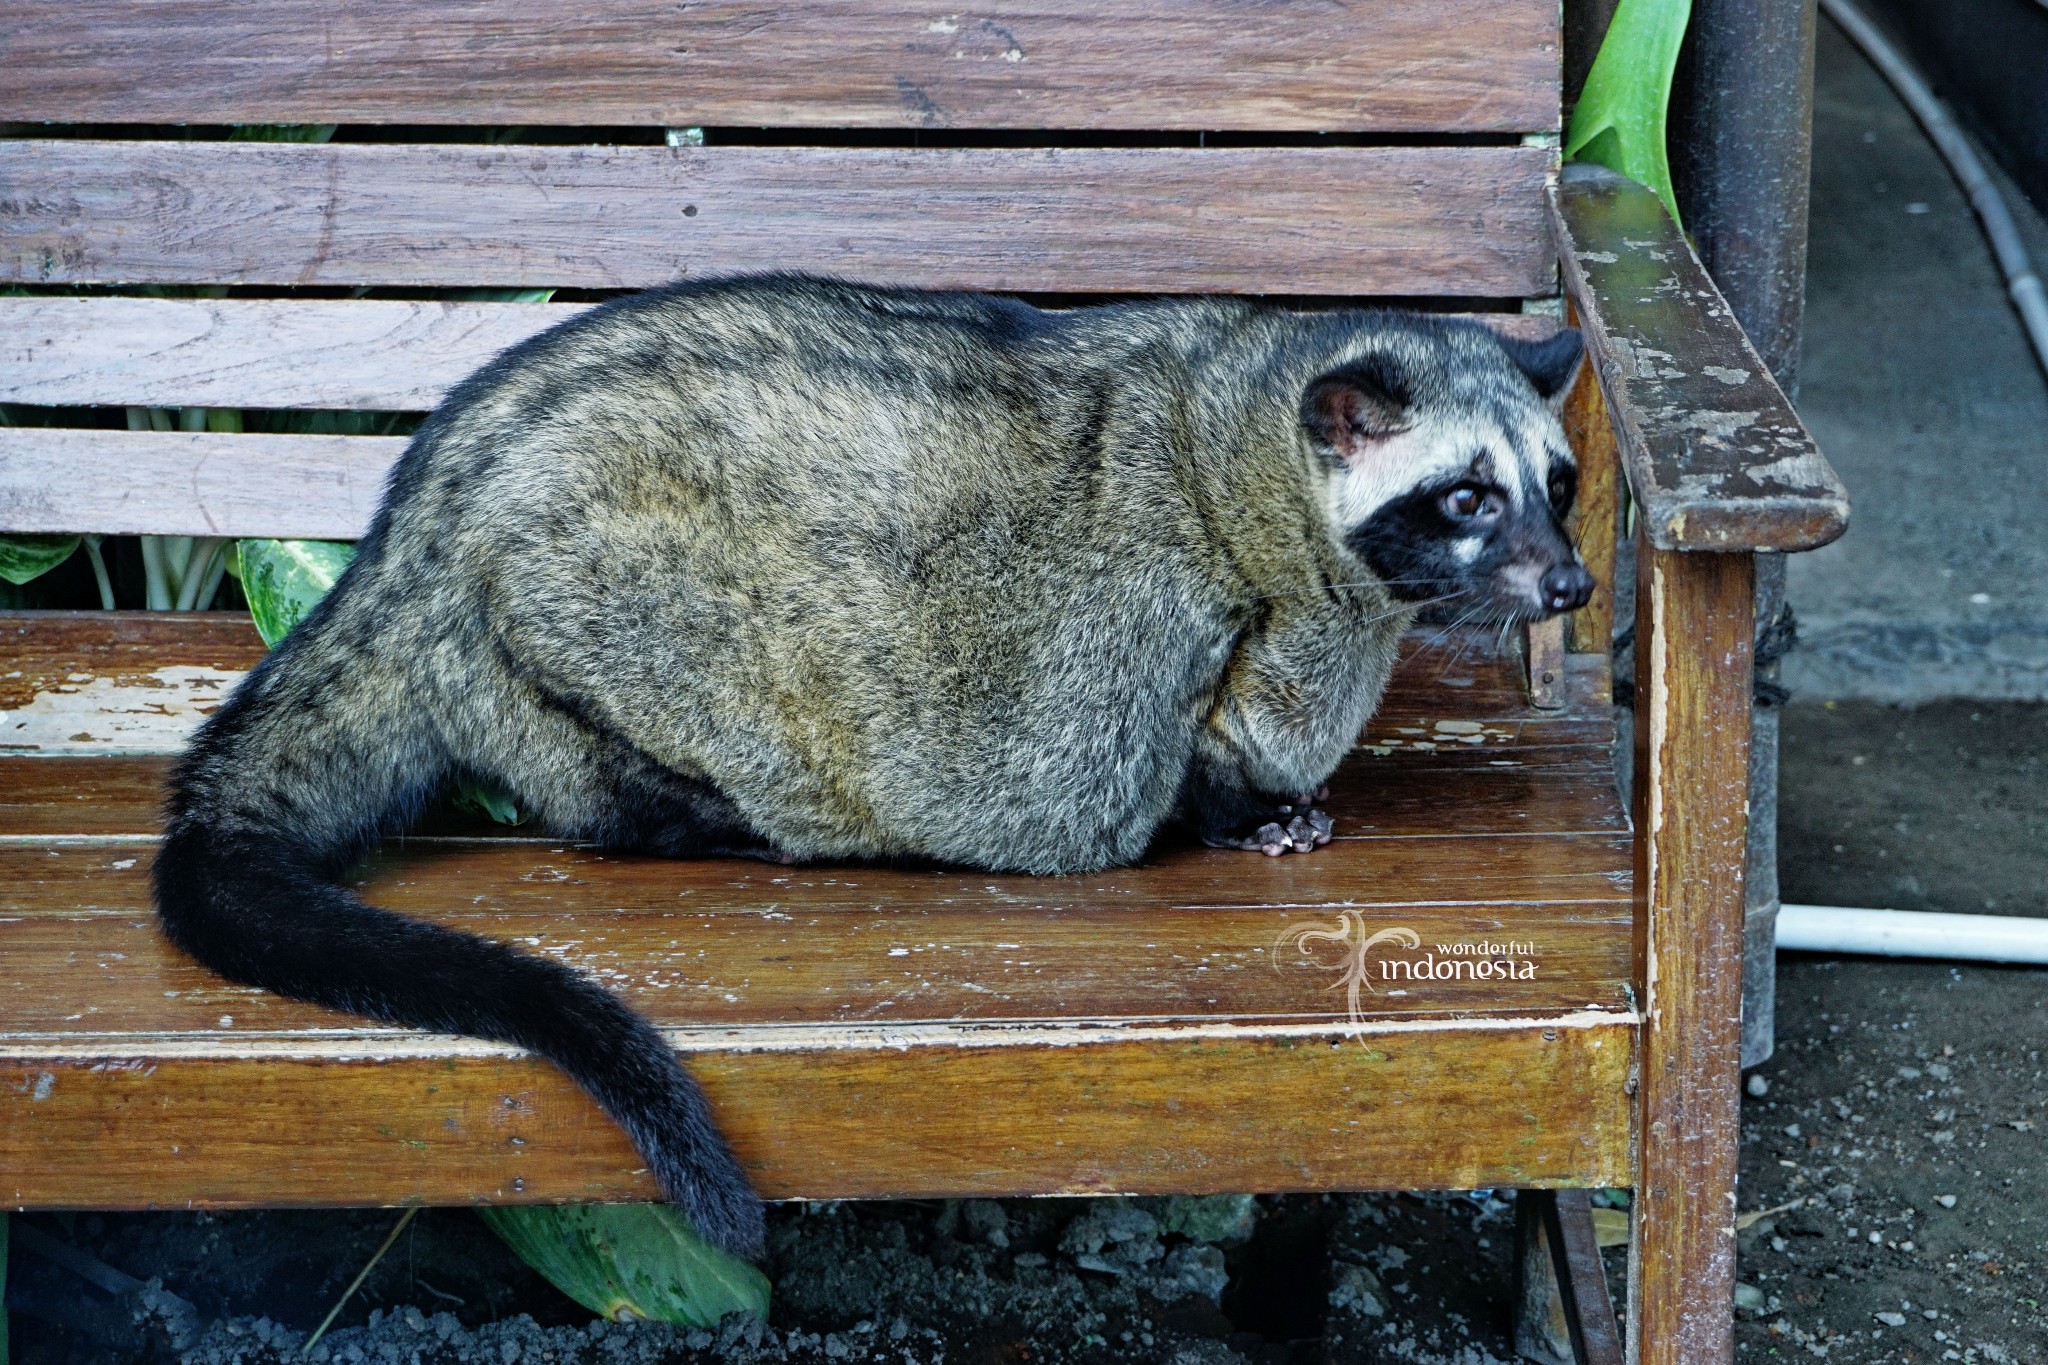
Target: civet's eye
(1562,486)
(1469,501)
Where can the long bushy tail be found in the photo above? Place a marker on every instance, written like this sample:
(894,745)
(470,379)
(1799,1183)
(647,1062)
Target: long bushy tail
(281,790)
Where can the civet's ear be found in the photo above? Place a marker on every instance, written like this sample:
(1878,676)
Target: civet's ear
(1351,410)
(1551,364)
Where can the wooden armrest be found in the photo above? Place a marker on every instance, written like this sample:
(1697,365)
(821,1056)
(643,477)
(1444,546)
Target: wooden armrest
(1715,457)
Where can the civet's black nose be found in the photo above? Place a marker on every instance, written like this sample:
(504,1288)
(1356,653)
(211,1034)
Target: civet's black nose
(1567,587)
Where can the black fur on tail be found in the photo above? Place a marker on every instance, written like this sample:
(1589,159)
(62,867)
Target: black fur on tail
(245,883)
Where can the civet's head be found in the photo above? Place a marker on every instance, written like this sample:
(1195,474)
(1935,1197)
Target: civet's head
(1452,475)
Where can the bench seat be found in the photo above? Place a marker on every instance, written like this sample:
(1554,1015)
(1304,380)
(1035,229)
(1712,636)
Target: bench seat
(861,1031)
(1139,1030)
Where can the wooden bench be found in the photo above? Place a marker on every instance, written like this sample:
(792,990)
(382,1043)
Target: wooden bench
(868,1033)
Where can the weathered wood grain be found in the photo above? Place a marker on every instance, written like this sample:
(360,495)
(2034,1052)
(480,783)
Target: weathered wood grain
(1392,65)
(102,683)
(1597,1335)
(1715,456)
(1694,628)
(1596,515)
(358,354)
(980,1112)
(191,483)
(361,354)
(131,683)
(1366,220)
(1543,646)
(44,649)
(1402,795)
(1455,675)
(713,944)
(515,877)
(1563,1312)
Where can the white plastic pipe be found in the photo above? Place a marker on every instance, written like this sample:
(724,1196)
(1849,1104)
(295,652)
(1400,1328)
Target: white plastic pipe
(1912,933)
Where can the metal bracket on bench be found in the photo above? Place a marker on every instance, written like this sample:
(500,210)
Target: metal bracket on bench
(1563,1315)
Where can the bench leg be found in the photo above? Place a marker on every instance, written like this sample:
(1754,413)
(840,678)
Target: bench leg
(1563,1315)
(1693,666)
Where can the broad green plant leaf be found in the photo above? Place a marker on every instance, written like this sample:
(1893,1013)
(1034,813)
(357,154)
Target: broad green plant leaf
(1619,121)
(284,578)
(497,295)
(487,799)
(26,558)
(631,1261)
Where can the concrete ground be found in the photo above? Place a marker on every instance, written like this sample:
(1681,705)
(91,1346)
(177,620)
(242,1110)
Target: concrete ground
(1906,1111)
(1902,1130)
(1919,386)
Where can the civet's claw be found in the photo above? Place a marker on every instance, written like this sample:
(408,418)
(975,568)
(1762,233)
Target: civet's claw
(1302,833)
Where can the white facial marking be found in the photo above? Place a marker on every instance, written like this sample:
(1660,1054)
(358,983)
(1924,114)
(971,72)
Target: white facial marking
(1436,450)
(1468,549)
(1525,581)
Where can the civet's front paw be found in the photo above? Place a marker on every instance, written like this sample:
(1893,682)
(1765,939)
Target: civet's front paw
(1303,829)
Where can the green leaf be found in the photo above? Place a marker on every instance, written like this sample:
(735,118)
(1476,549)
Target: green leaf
(631,1261)
(1619,121)
(487,799)
(282,132)
(496,295)
(327,423)
(23,558)
(1227,1218)
(284,578)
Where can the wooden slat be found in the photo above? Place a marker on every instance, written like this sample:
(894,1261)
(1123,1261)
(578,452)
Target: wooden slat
(1446,65)
(191,483)
(1715,456)
(104,683)
(358,354)
(1399,796)
(710,943)
(1563,1313)
(1459,1107)
(1385,220)
(1596,516)
(363,354)
(1694,668)
(1597,1337)
(42,650)
(109,682)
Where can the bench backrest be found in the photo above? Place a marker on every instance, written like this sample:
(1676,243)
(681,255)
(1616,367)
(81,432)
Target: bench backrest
(1395,149)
